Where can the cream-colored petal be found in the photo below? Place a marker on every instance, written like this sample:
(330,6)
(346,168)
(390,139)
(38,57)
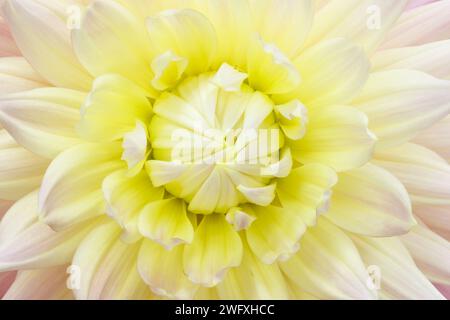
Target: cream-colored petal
(337,136)
(284,23)
(113,40)
(430,252)
(262,196)
(399,276)
(421,25)
(125,197)
(333,72)
(306,190)
(328,265)
(71,189)
(436,218)
(6,280)
(135,147)
(20,170)
(188,33)
(8,47)
(27,243)
(228,78)
(162,270)
(401,103)
(432,58)
(41,284)
(275,234)
(108,267)
(42,120)
(216,247)
(112,109)
(168,69)
(372,202)
(365,22)
(17,75)
(425,175)
(436,138)
(44,39)
(292,118)
(166,222)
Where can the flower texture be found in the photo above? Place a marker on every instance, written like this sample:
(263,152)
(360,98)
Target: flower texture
(225,149)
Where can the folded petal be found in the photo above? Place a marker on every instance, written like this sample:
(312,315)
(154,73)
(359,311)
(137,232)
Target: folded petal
(71,189)
(398,275)
(27,243)
(425,175)
(338,137)
(17,75)
(328,265)
(275,233)
(371,201)
(401,103)
(421,25)
(44,40)
(112,108)
(109,267)
(113,40)
(41,284)
(365,22)
(436,138)
(162,270)
(307,191)
(42,120)
(430,252)
(20,170)
(216,247)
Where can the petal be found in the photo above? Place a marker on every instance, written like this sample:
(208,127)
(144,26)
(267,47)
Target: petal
(333,72)
(275,233)
(17,75)
(328,265)
(4,207)
(436,218)
(8,46)
(44,40)
(399,276)
(372,202)
(430,252)
(71,189)
(417,3)
(6,280)
(228,78)
(432,58)
(162,270)
(42,120)
(20,170)
(253,280)
(112,108)
(135,147)
(126,196)
(419,26)
(365,22)
(216,247)
(166,222)
(306,190)
(425,175)
(187,33)
(27,243)
(338,137)
(109,267)
(400,103)
(40,284)
(284,23)
(436,138)
(113,40)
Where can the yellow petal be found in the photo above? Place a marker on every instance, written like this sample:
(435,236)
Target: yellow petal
(168,69)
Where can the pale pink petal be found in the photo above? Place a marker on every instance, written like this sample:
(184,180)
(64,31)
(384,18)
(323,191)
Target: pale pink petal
(17,75)
(6,279)
(8,47)
(444,289)
(4,207)
(417,3)
(437,138)
(436,218)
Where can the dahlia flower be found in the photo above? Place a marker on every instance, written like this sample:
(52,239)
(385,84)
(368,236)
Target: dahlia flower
(225,149)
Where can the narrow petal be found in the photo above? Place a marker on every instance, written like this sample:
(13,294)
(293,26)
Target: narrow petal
(307,190)
(399,276)
(66,197)
(109,267)
(436,138)
(337,136)
(41,284)
(328,265)
(17,75)
(42,120)
(20,170)
(425,175)
(401,103)
(216,247)
(436,218)
(162,270)
(44,40)
(8,47)
(372,202)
